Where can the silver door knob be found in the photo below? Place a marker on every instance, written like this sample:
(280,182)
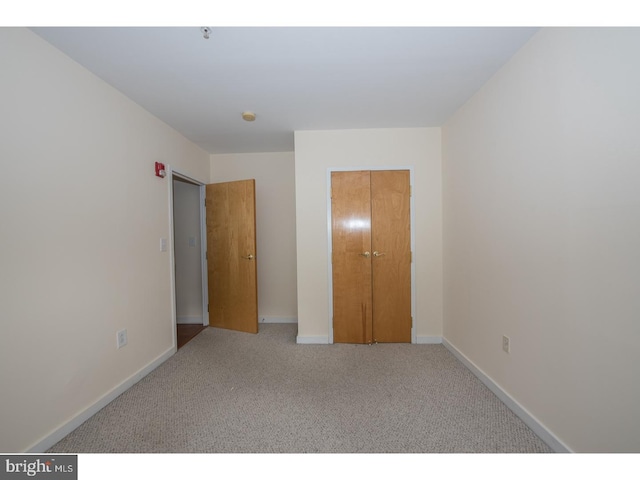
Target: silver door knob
(378,254)
(249,257)
(365,254)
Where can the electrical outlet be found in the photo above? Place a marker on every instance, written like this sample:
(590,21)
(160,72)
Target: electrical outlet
(506,344)
(121,338)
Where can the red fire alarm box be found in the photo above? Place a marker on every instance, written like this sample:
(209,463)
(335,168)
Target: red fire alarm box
(160,171)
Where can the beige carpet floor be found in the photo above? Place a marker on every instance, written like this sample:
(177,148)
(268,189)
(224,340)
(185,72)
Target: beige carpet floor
(231,392)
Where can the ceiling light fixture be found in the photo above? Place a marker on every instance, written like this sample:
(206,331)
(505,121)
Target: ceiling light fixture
(205,32)
(248,116)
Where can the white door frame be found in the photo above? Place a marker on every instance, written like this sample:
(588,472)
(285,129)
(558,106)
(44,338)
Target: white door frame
(414,338)
(203,249)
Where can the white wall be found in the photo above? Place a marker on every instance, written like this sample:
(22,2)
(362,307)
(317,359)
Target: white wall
(187,249)
(275,226)
(82,215)
(318,151)
(542,234)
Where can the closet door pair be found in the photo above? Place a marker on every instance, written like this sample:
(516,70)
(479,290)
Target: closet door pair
(371,256)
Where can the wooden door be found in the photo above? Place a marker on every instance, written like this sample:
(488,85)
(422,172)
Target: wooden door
(391,255)
(231,255)
(371,243)
(351,245)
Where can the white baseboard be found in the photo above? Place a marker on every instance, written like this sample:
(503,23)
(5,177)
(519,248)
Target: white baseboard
(312,340)
(424,340)
(189,319)
(533,423)
(59,433)
(270,319)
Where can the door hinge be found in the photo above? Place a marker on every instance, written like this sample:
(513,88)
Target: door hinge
(207,308)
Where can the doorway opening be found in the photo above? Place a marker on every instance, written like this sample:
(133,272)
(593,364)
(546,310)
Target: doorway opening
(188,241)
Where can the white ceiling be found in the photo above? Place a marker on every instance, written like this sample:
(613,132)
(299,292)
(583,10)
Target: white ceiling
(293,78)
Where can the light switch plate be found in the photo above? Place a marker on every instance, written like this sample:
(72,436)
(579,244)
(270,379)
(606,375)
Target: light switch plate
(121,338)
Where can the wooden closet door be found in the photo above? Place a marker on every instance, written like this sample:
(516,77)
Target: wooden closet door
(351,246)
(391,255)
(371,243)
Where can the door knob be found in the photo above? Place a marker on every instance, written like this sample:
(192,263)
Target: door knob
(378,254)
(365,254)
(249,257)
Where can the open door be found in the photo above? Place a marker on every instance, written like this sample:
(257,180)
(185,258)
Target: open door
(231,255)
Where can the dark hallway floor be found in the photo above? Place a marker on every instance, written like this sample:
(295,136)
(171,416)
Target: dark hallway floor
(186,331)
